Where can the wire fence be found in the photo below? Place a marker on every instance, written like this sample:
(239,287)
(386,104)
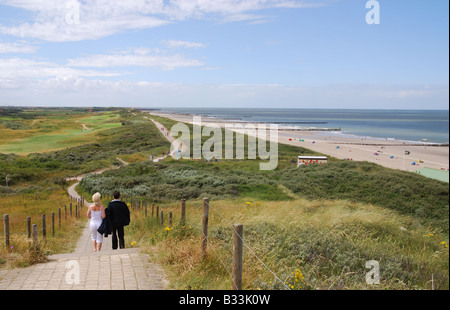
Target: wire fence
(248,247)
(21,225)
(226,260)
(18,225)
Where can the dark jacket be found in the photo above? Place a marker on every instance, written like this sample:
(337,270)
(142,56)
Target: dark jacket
(105,227)
(119,213)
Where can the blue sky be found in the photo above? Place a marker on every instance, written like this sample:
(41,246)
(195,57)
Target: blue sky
(224,53)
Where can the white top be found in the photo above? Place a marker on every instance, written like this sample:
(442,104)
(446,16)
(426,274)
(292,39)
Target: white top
(96,216)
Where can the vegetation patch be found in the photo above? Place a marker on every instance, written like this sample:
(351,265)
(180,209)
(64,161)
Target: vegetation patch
(314,227)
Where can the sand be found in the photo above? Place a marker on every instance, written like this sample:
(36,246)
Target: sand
(390,153)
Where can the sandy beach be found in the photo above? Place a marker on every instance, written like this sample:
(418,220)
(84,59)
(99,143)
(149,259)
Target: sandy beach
(387,153)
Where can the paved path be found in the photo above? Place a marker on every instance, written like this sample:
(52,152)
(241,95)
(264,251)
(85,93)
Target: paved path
(166,133)
(100,171)
(85,269)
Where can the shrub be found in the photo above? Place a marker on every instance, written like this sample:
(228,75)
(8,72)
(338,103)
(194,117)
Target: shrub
(407,193)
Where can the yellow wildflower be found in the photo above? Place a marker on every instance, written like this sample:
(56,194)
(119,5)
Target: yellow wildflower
(299,277)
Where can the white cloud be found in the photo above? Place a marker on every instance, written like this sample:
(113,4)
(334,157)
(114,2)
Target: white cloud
(17,47)
(29,74)
(101,18)
(24,73)
(185,44)
(76,90)
(182,9)
(138,58)
(60,21)
(89,29)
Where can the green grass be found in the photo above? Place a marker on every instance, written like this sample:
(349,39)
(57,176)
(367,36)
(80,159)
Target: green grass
(33,201)
(132,137)
(326,221)
(54,134)
(328,241)
(36,179)
(425,199)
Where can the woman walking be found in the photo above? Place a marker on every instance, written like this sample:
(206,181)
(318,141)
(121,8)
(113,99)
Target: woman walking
(96,214)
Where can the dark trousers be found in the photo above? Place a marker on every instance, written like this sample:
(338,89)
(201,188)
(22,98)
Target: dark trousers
(118,232)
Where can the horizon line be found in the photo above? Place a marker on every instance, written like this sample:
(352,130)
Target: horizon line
(196,107)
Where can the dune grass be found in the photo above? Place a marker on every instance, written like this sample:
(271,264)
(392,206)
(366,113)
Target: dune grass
(33,201)
(328,242)
(36,181)
(314,227)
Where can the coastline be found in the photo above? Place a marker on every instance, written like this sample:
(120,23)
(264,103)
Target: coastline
(388,153)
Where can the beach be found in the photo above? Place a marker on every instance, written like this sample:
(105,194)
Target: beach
(388,153)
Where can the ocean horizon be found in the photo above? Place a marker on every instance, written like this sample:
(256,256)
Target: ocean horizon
(419,126)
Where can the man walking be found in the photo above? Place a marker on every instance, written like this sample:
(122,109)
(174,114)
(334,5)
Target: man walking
(120,217)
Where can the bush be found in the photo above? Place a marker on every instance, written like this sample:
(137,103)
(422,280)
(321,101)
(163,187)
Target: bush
(130,139)
(407,193)
(175,180)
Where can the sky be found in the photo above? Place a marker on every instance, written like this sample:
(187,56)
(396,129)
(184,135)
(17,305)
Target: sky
(225,53)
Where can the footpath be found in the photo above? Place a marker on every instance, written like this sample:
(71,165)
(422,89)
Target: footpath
(85,269)
(166,133)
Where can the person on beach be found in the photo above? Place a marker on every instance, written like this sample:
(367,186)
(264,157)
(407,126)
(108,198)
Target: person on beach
(120,217)
(96,214)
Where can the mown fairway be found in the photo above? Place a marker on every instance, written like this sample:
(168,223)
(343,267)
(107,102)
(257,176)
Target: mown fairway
(52,132)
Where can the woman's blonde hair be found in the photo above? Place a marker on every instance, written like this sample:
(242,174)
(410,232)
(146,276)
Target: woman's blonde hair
(96,198)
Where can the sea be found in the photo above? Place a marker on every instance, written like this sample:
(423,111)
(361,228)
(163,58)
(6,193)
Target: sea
(418,126)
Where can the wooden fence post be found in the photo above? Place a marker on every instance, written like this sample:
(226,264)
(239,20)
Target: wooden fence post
(145,209)
(70,209)
(44,229)
(35,237)
(237,256)
(170,219)
(183,212)
(205,218)
(59,217)
(162,218)
(6,224)
(53,224)
(153,209)
(65,212)
(29,227)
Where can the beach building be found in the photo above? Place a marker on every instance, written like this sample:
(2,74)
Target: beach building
(306,160)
